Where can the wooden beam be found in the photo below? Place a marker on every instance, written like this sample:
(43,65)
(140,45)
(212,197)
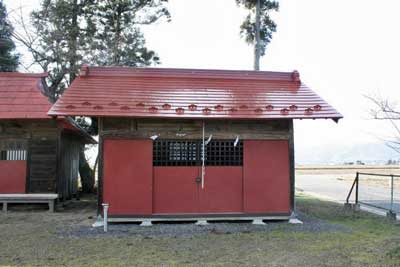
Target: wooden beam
(100,168)
(59,181)
(28,167)
(291,165)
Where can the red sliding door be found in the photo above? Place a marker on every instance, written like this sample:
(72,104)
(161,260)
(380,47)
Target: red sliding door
(178,190)
(266,176)
(175,190)
(127,176)
(177,177)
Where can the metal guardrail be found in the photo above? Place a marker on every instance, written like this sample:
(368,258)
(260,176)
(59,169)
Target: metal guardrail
(377,191)
(355,184)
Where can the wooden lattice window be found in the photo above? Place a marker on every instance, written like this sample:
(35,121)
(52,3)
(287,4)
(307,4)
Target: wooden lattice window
(175,153)
(224,153)
(189,153)
(13,149)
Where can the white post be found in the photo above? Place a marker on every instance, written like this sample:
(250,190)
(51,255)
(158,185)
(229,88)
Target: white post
(105,216)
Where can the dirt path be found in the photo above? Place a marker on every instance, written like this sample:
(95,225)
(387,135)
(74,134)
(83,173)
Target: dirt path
(335,183)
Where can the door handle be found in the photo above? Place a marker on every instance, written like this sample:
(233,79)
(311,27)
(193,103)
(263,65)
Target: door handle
(198,180)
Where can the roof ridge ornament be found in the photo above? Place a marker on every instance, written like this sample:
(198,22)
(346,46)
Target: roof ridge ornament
(296,76)
(84,72)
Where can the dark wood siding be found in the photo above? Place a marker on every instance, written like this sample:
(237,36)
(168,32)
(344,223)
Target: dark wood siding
(43,164)
(69,166)
(41,138)
(192,129)
(52,155)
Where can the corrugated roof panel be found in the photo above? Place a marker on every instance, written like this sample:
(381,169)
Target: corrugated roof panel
(185,93)
(20,96)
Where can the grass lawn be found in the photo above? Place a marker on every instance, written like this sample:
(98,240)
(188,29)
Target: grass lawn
(32,238)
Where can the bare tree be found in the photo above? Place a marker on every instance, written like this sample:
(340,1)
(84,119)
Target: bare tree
(26,35)
(387,110)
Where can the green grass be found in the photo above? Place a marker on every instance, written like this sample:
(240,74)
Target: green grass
(32,239)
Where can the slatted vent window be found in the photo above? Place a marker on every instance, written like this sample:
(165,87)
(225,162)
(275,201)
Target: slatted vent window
(13,155)
(189,153)
(12,149)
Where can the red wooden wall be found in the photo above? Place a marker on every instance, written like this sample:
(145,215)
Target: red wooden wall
(127,176)
(132,186)
(12,176)
(266,177)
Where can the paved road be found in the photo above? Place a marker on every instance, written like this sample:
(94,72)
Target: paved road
(332,187)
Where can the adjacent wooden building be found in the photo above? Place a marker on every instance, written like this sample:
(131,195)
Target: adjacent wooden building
(38,154)
(180,143)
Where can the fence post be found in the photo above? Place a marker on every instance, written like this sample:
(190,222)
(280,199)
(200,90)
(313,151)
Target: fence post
(357,179)
(391,192)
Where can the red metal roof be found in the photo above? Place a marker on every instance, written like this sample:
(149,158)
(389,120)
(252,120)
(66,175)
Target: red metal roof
(188,93)
(21,97)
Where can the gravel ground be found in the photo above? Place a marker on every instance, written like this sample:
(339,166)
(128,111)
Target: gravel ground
(189,229)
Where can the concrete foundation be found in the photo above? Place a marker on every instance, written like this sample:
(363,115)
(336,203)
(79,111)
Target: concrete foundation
(391,215)
(99,222)
(295,221)
(197,218)
(258,222)
(146,223)
(201,222)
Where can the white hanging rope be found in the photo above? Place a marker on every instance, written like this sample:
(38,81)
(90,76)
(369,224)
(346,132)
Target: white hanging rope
(154,137)
(203,168)
(236,141)
(209,139)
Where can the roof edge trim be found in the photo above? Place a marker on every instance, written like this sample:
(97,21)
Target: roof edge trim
(24,75)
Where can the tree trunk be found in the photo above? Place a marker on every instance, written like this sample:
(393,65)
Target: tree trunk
(257,49)
(118,32)
(73,42)
(86,173)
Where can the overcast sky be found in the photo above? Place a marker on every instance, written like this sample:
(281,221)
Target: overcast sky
(343,49)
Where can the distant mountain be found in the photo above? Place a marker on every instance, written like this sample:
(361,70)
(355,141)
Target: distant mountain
(373,153)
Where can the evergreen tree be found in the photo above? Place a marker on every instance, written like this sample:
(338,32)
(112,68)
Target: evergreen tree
(118,40)
(99,32)
(258,27)
(63,28)
(9,60)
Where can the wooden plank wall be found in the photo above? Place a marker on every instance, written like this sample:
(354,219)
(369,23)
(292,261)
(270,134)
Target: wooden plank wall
(192,129)
(43,165)
(41,137)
